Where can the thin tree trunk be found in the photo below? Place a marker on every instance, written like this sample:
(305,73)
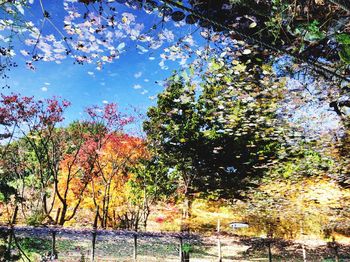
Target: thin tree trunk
(186,213)
(57,215)
(107,202)
(103,225)
(14,217)
(63,214)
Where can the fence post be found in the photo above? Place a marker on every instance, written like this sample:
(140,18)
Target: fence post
(302,238)
(53,246)
(93,244)
(334,248)
(269,238)
(8,251)
(219,242)
(180,250)
(336,252)
(269,246)
(135,247)
(184,251)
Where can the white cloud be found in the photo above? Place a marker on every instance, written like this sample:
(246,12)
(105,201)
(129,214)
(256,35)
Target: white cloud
(105,102)
(90,73)
(138,74)
(113,74)
(144,92)
(24,52)
(44,89)
(137,86)
(152,97)
(146,80)
(47,84)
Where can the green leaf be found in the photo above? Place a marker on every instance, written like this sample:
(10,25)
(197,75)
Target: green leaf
(186,248)
(185,76)
(343,39)
(2,197)
(314,36)
(344,54)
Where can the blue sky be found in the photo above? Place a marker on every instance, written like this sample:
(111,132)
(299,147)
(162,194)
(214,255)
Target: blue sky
(130,80)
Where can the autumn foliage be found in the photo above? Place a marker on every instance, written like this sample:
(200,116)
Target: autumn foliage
(94,170)
(86,164)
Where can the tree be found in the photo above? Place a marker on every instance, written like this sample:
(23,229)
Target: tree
(221,137)
(56,163)
(172,132)
(303,29)
(34,123)
(74,170)
(150,183)
(339,150)
(83,148)
(108,186)
(299,197)
(125,182)
(10,195)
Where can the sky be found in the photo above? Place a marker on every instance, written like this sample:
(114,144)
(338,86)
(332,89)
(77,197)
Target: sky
(132,80)
(129,81)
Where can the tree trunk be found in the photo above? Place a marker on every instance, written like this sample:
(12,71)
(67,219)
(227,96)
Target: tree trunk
(107,203)
(46,211)
(186,213)
(14,217)
(146,210)
(104,208)
(63,215)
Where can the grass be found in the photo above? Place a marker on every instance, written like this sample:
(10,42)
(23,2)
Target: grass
(120,248)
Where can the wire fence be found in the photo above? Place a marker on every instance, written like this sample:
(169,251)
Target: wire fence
(58,244)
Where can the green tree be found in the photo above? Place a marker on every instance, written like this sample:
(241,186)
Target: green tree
(173,134)
(151,183)
(220,135)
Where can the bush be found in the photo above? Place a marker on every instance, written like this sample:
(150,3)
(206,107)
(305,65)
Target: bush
(35,219)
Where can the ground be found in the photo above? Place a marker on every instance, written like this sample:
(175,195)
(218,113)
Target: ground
(76,245)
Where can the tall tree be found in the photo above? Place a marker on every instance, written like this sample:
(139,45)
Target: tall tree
(80,156)
(120,152)
(220,135)
(34,123)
